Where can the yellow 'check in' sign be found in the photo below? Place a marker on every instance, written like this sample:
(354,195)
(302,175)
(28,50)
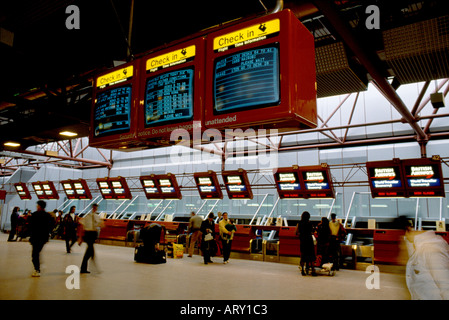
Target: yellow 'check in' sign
(171,58)
(248,35)
(114,77)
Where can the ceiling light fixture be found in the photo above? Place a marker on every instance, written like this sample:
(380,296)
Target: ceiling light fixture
(11,144)
(68,133)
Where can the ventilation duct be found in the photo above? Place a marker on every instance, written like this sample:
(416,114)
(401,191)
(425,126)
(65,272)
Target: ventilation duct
(419,51)
(334,74)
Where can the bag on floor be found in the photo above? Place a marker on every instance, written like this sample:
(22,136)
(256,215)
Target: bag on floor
(144,255)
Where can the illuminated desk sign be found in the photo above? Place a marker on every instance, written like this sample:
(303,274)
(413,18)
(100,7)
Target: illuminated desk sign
(288,183)
(237,184)
(423,177)
(261,73)
(45,190)
(114,108)
(114,188)
(22,191)
(386,179)
(161,186)
(76,189)
(317,182)
(208,185)
(171,92)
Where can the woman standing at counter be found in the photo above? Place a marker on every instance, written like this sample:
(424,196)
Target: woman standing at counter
(305,231)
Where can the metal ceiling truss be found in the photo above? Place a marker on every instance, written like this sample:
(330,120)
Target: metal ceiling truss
(67,153)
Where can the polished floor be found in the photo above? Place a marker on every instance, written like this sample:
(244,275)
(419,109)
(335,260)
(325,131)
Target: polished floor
(118,277)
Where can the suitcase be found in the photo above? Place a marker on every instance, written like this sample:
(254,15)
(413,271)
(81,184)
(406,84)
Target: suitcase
(144,255)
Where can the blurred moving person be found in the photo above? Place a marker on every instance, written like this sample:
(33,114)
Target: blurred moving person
(40,224)
(90,223)
(427,269)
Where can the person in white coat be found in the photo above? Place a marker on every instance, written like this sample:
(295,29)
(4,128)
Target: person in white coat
(427,270)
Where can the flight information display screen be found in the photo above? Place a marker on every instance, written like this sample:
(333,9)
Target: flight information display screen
(387,177)
(205,184)
(422,176)
(237,184)
(112,111)
(22,191)
(288,183)
(247,79)
(315,180)
(208,185)
(169,97)
(76,189)
(166,186)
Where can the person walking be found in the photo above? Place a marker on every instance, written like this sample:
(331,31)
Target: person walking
(208,238)
(70,226)
(227,230)
(194,230)
(427,269)
(90,224)
(14,222)
(305,231)
(40,224)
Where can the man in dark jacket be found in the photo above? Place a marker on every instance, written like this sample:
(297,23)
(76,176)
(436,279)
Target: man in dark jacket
(40,228)
(70,225)
(208,244)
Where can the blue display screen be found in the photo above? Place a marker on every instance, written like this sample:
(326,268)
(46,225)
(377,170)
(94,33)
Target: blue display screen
(385,177)
(169,97)
(247,79)
(288,181)
(112,111)
(420,176)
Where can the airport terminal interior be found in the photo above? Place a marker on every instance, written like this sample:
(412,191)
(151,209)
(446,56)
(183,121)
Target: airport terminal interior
(263,110)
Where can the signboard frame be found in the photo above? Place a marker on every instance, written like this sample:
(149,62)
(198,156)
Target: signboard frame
(49,193)
(182,56)
(297,74)
(328,193)
(289,194)
(212,175)
(429,191)
(391,192)
(73,186)
(114,79)
(25,190)
(238,195)
(113,195)
(176,195)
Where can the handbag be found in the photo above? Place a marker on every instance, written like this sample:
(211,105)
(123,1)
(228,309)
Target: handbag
(208,237)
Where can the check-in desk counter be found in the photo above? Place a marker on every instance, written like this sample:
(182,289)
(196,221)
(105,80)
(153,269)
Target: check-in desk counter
(242,238)
(288,242)
(389,247)
(114,229)
(270,250)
